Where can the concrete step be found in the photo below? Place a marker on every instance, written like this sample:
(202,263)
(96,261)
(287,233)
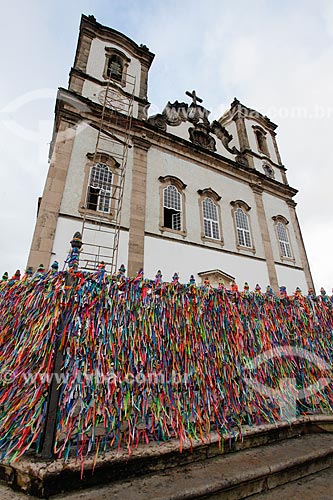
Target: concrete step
(318,486)
(229,477)
(45,479)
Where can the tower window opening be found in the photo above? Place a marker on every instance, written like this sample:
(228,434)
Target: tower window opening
(262,142)
(115,68)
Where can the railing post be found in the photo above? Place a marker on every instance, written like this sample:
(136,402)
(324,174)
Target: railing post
(54,388)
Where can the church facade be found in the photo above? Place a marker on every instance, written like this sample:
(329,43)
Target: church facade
(195,196)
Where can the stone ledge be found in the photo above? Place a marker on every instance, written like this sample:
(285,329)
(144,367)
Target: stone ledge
(43,478)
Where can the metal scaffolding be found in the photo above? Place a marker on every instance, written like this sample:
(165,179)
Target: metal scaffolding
(101,227)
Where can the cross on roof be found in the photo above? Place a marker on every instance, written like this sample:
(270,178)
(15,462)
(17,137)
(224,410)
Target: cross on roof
(194,96)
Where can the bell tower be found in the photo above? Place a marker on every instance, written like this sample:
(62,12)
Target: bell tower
(90,148)
(105,54)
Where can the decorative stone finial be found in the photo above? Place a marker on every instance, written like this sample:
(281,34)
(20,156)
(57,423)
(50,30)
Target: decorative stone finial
(29,272)
(77,240)
(158,277)
(175,279)
(17,275)
(139,275)
(73,258)
(121,270)
(206,282)
(221,284)
(55,266)
(41,269)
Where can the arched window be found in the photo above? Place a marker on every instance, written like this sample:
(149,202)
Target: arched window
(172,208)
(282,236)
(210,219)
(99,188)
(210,215)
(243,228)
(115,67)
(172,204)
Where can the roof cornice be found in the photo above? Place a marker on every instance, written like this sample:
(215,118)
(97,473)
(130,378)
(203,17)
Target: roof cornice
(93,29)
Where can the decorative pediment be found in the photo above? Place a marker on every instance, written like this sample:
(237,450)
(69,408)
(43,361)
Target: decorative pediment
(197,114)
(176,113)
(173,114)
(280,218)
(215,276)
(103,158)
(201,134)
(224,136)
(171,179)
(210,193)
(240,204)
(159,121)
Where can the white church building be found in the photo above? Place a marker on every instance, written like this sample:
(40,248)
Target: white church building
(175,191)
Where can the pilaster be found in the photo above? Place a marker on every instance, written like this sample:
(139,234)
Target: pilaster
(268,250)
(300,243)
(43,238)
(276,149)
(142,111)
(138,206)
(76,81)
(243,137)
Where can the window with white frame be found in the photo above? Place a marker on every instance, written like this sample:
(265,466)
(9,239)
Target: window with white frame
(283,238)
(172,208)
(210,219)
(99,188)
(243,228)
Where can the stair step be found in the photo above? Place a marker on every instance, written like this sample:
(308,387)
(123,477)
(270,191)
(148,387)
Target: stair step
(227,477)
(314,487)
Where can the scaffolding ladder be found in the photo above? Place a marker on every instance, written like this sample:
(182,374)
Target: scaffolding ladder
(100,227)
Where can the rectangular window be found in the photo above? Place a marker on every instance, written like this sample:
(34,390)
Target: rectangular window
(99,188)
(215,230)
(207,228)
(210,219)
(172,208)
(176,221)
(243,228)
(285,249)
(104,201)
(283,240)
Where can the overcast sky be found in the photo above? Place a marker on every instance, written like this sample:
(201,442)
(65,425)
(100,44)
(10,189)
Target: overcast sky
(275,57)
